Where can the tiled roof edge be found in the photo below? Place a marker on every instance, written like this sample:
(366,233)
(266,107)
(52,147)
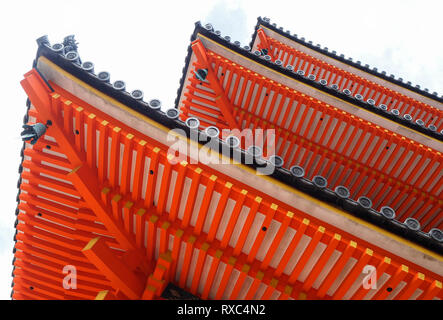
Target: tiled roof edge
(19,182)
(374,71)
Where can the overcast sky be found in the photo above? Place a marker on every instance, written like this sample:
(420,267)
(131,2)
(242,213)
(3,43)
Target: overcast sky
(145,43)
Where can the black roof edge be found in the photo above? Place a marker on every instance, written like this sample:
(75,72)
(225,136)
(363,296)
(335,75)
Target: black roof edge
(363,104)
(281,174)
(19,182)
(365,68)
(185,67)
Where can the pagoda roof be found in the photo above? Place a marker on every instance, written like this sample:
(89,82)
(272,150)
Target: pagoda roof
(340,57)
(51,65)
(246,51)
(280,174)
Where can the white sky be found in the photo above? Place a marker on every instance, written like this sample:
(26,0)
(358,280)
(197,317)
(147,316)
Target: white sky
(145,43)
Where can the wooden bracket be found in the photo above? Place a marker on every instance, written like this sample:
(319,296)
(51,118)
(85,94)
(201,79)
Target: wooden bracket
(221,100)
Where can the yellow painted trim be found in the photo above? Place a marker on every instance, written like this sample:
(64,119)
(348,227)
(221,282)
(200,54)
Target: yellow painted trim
(116,198)
(198,170)
(246,268)
(302,296)
(129,204)
(102,295)
(165,225)
(179,233)
(274,282)
(218,253)
(74,170)
(320,91)
(260,275)
(246,168)
(90,244)
(192,239)
(141,212)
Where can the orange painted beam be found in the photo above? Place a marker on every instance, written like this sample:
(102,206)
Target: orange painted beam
(292,246)
(89,189)
(264,44)
(221,100)
(202,254)
(225,278)
(352,275)
(412,286)
(254,286)
(158,280)
(338,267)
(392,283)
(321,262)
(187,261)
(307,253)
(192,194)
(269,290)
(211,275)
(122,278)
(82,177)
(432,291)
(240,281)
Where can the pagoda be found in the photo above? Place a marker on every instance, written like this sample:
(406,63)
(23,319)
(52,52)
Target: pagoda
(284,171)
